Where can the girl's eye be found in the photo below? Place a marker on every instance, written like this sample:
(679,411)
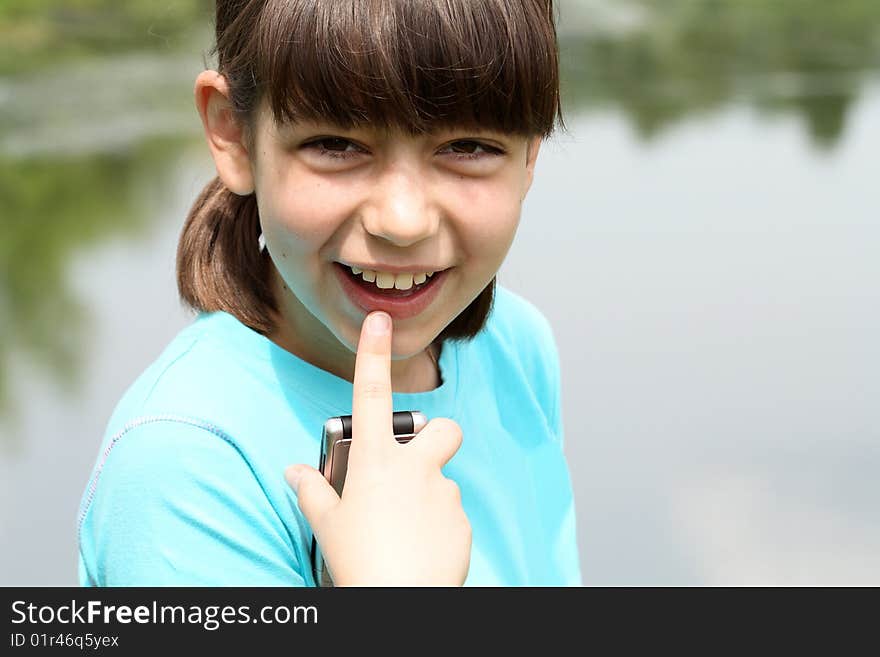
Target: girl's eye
(338,148)
(335,147)
(468,150)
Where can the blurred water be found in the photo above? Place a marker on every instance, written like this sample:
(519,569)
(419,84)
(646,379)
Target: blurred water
(720,362)
(703,250)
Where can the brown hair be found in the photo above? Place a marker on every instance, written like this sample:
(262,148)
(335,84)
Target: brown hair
(415,65)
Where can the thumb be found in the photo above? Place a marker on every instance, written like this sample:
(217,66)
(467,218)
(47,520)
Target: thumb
(314,493)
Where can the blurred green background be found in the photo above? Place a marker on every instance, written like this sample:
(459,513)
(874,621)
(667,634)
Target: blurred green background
(94,101)
(96,110)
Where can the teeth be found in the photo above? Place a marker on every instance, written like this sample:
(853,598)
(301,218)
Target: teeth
(386,280)
(403,281)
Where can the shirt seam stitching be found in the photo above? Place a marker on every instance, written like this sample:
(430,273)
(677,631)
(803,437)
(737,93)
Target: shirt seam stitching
(149,419)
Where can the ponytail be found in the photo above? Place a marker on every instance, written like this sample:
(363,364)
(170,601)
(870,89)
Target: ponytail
(219,263)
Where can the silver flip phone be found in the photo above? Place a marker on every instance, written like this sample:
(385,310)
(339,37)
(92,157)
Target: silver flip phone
(335,443)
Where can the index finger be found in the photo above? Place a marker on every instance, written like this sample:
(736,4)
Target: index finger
(372,405)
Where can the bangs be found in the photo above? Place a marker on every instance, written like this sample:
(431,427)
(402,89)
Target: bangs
(414,65)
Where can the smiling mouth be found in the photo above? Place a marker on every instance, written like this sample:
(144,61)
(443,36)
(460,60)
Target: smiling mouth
(400,304)
(393,292)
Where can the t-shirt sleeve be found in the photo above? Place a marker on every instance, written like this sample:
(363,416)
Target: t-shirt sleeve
(547,376)
(173,504)
(535,347)
(555,396)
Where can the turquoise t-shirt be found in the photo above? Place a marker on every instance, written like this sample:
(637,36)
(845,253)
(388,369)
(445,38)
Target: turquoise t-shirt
(188,488)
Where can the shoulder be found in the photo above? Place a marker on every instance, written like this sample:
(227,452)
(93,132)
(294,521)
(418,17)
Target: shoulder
(523,328)
(203,373)
(162,455)
(519,348)
(513,310)
(211,399)
(174,501)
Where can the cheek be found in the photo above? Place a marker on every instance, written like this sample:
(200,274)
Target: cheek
(305,212)
(489,216)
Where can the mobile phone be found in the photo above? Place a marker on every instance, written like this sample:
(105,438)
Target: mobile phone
(333,463)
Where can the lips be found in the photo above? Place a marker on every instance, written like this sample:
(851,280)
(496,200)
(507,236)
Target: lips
(400,304)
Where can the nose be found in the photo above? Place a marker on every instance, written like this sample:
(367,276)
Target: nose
(401,209)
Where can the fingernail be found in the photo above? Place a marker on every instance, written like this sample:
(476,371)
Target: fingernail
(293,474)
(380,323)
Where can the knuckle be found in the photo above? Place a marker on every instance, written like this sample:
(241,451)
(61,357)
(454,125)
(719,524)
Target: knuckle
(449,427)
(466,528)
(306,485)
(304,494)
(373,389)
(452,489)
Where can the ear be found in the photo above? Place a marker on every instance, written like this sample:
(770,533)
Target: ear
(532,148)
(224,133)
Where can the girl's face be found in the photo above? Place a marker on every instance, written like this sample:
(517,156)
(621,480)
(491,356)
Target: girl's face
(445,201)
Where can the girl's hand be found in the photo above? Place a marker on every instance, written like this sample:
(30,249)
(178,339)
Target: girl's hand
(399,520)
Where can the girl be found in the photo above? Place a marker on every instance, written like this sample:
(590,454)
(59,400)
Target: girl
(372,161)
